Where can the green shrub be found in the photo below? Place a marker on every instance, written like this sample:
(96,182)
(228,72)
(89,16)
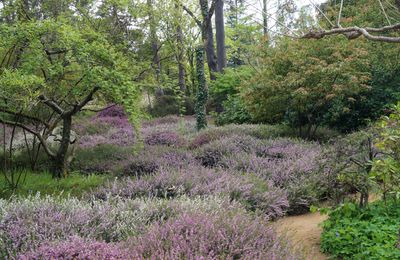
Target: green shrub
(367,233)
(386,170)
(234,112)
(105,158)
(170,105)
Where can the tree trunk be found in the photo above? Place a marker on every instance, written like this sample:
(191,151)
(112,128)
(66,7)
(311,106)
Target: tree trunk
(208,39)
(265,18)
(398,4)
(180,56)
(220,34)
(155,48)
(202,91)
(60,161)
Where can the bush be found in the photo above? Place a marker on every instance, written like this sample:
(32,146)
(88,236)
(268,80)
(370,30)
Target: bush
(140,168)
(290,164)
(169,105)
(368,233)
(165,138)
(77,248)
(26,224)
(386,170)
(295,83)
(234,112)
(112,110)
(161,120)
(217,236)
(211,155)
(253,192)
(104,158)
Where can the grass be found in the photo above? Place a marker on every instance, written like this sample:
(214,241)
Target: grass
(75,184)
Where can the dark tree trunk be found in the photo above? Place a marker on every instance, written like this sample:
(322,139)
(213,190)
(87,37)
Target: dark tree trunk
(208,39)
(60,161)
(220,34)
(398,4)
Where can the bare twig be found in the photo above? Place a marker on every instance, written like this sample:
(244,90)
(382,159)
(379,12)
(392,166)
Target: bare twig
(340,14)
(384,12)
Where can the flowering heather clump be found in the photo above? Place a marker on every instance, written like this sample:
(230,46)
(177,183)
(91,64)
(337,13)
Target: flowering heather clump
(77,248)
(165,138)
(28,223)
(184,126)
(112,110)
(212,236)
(140,168)
(113,130)
(289,164)
(161,121)
(205,137)
(257,131)
(211,155)
(154,157)
(110,126)
(103,158)
(253,192)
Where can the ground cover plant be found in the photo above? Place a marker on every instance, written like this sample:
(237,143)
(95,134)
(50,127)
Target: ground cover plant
(369,233)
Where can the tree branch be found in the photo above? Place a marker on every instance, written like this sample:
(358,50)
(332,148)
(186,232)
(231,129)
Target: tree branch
(355,32)
(189,12)
(210,14)
(32,118)
(86,100)
(53,105)
(42,141)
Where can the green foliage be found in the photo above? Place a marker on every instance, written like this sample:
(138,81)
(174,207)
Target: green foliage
(308,83)
(75,185)
(386,170)
(224,93)
(170,105)
(369,233)
(234,112)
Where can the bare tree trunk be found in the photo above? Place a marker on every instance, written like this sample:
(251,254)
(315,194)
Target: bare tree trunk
(208,38)
(220,34)
(265,18)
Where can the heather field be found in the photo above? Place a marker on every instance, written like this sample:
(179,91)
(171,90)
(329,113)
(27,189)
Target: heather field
(167,192)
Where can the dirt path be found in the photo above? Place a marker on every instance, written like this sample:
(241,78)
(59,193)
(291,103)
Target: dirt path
(304,232)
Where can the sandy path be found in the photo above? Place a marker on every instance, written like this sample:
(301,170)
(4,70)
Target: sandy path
(304,232)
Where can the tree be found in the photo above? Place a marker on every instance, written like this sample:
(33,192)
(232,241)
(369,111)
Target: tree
(154,46)
(207,34)
(58,69)
(220,34)
(265,18)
